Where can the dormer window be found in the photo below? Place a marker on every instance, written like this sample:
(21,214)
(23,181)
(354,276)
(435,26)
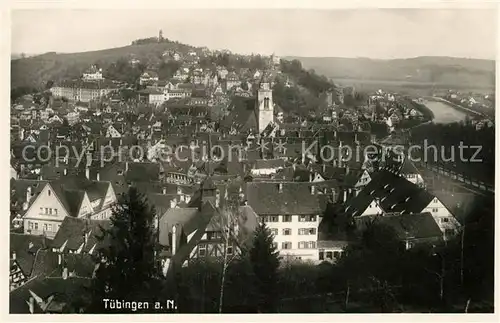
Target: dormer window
(48,192)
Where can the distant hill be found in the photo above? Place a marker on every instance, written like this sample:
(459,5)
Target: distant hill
(35,71)
(444,71)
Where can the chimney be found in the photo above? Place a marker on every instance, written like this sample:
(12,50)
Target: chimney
(28,194)
(313,190)
(65,273)
(280,187)
(31,305)
(173,203)
(217,198)
(174,239)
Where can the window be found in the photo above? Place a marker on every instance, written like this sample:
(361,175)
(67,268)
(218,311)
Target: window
(45,227)
(50,211)
(202,250)
(274,231)
(321,255)
(36,225)
(287,232)
(41,210)
(48,192)
(302,244)
(307,231)
(311,244)
(435,200)
(287,218)
(286,245)
(275,245)
(445,219)
(229,250)
(274,218)
(50,227)
(30,225)
(434,210)
(329,255)
(336,254)
(46,210)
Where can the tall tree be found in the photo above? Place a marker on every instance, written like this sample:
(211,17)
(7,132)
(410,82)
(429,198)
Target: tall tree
(127,268)
(265,262)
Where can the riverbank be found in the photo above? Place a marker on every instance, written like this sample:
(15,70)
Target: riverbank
(457,106)
(422,108)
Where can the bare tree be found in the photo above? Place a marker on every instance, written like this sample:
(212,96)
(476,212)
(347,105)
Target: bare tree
(228,222)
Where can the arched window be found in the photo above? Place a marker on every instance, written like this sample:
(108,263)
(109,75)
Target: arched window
(266,103)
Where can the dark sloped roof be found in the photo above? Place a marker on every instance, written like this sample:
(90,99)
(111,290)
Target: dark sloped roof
(412,226)
(26,246)
(295,198)
(243,115)
(393,193)
(73,231)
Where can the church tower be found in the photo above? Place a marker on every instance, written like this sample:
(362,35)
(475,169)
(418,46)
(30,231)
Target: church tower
(265,106)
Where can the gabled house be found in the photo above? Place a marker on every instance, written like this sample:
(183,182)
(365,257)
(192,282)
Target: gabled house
(70,196)
(111,132)
(388,193)
(292,212)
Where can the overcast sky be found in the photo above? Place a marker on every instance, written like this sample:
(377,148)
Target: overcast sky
(374,33)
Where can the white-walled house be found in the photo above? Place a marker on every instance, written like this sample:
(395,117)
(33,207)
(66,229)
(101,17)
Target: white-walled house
(292,212)
(389,193)
(75,197)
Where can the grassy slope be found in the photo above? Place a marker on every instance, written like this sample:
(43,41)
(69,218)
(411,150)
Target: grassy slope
(35,71)
(440,70)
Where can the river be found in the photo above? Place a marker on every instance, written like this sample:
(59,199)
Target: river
(444,113)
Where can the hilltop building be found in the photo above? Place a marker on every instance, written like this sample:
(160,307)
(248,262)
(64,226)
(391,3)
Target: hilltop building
(93,74)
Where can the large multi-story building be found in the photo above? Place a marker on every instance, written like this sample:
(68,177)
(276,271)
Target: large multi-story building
(81,90)
(292,213)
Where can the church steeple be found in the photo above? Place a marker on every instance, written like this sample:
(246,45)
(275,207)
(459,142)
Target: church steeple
(265,106)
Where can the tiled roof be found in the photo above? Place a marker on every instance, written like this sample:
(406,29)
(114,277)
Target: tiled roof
(393,193)
(73,231)
(26,246)
(295,198)
(242,116)
(413,226)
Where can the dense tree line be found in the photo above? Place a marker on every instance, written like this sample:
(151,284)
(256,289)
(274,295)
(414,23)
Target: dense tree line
(167,69)
(121,70)
(17,92)
(309,79)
